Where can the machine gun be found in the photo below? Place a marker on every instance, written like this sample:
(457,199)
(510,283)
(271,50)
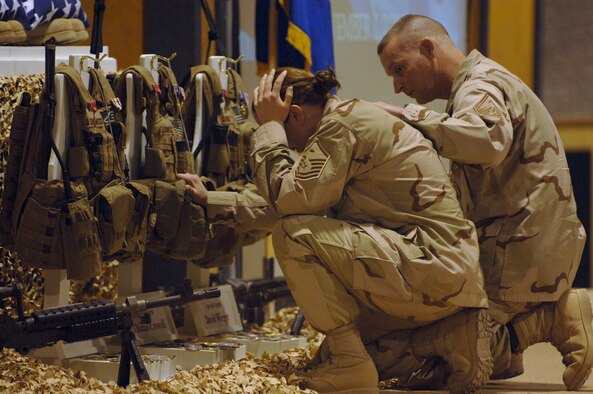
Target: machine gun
(252,296)
(88,320)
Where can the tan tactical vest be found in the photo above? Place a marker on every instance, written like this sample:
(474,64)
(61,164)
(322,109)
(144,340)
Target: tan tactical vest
(96,157)
(225,129)
(225,143)
(53,222)
(176,226)
(167,147)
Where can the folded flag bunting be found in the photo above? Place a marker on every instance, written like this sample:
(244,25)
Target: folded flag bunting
(296,33)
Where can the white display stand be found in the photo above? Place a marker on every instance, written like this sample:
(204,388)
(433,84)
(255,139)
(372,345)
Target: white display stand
(105,366)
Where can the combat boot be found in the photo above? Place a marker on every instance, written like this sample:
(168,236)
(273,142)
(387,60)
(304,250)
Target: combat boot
(567,325)
(515,368)
(348,369)
(320,356)
(463,342)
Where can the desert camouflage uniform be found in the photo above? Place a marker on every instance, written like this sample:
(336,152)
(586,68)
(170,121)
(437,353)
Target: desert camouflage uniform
(512,175)
(369,219)
(246,211)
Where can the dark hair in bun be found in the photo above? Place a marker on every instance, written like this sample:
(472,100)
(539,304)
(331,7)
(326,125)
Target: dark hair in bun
(306,87)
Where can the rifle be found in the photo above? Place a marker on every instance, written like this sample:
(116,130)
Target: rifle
(88,320)
(253,295)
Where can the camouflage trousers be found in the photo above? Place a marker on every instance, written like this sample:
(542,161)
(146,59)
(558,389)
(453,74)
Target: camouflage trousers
(338,274)
(334,268)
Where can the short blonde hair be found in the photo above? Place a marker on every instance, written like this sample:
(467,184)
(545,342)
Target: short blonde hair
(411,29)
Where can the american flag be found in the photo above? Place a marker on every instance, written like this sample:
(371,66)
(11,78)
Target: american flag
(31,13)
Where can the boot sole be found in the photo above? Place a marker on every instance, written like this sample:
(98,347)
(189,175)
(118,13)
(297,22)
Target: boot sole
(587,316)
(486,363)
(373,390)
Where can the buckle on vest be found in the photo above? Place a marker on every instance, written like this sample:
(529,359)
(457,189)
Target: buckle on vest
(93,105)
(116,102)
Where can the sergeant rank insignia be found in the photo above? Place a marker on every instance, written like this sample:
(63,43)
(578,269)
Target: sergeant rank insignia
(311,163)
(488,110)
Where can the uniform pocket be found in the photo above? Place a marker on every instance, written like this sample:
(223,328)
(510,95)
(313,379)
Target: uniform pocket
(375,267)
(491,257)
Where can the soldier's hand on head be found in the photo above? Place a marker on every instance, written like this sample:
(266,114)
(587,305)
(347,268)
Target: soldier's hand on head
(195,188)
(268,104)
(392,109)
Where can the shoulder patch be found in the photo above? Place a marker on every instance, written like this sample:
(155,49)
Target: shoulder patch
(486,108)
(311,163)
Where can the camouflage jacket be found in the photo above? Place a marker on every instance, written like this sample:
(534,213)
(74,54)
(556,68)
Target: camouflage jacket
(512,176)
(369,168)
(246,210)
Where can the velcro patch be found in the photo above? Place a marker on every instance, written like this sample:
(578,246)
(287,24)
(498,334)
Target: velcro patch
(486,108)
(311,163)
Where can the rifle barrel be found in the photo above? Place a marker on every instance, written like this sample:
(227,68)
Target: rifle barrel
(181,299)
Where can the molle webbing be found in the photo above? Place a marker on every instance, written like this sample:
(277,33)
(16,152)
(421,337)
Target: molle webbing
(93,157)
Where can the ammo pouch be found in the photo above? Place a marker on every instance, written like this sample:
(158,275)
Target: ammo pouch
(227,152)
(185,158)
(137,226)
(56,234)
(180,230)
(161,152)
(217,155)
(113,206)
(239,139)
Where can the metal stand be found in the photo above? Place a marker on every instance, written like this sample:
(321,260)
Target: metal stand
(212,33)
(130,352)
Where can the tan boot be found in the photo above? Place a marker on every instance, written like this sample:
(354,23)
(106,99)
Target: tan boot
(515,368)
(463,341)
(320,356)
(349,369)
(567,325)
